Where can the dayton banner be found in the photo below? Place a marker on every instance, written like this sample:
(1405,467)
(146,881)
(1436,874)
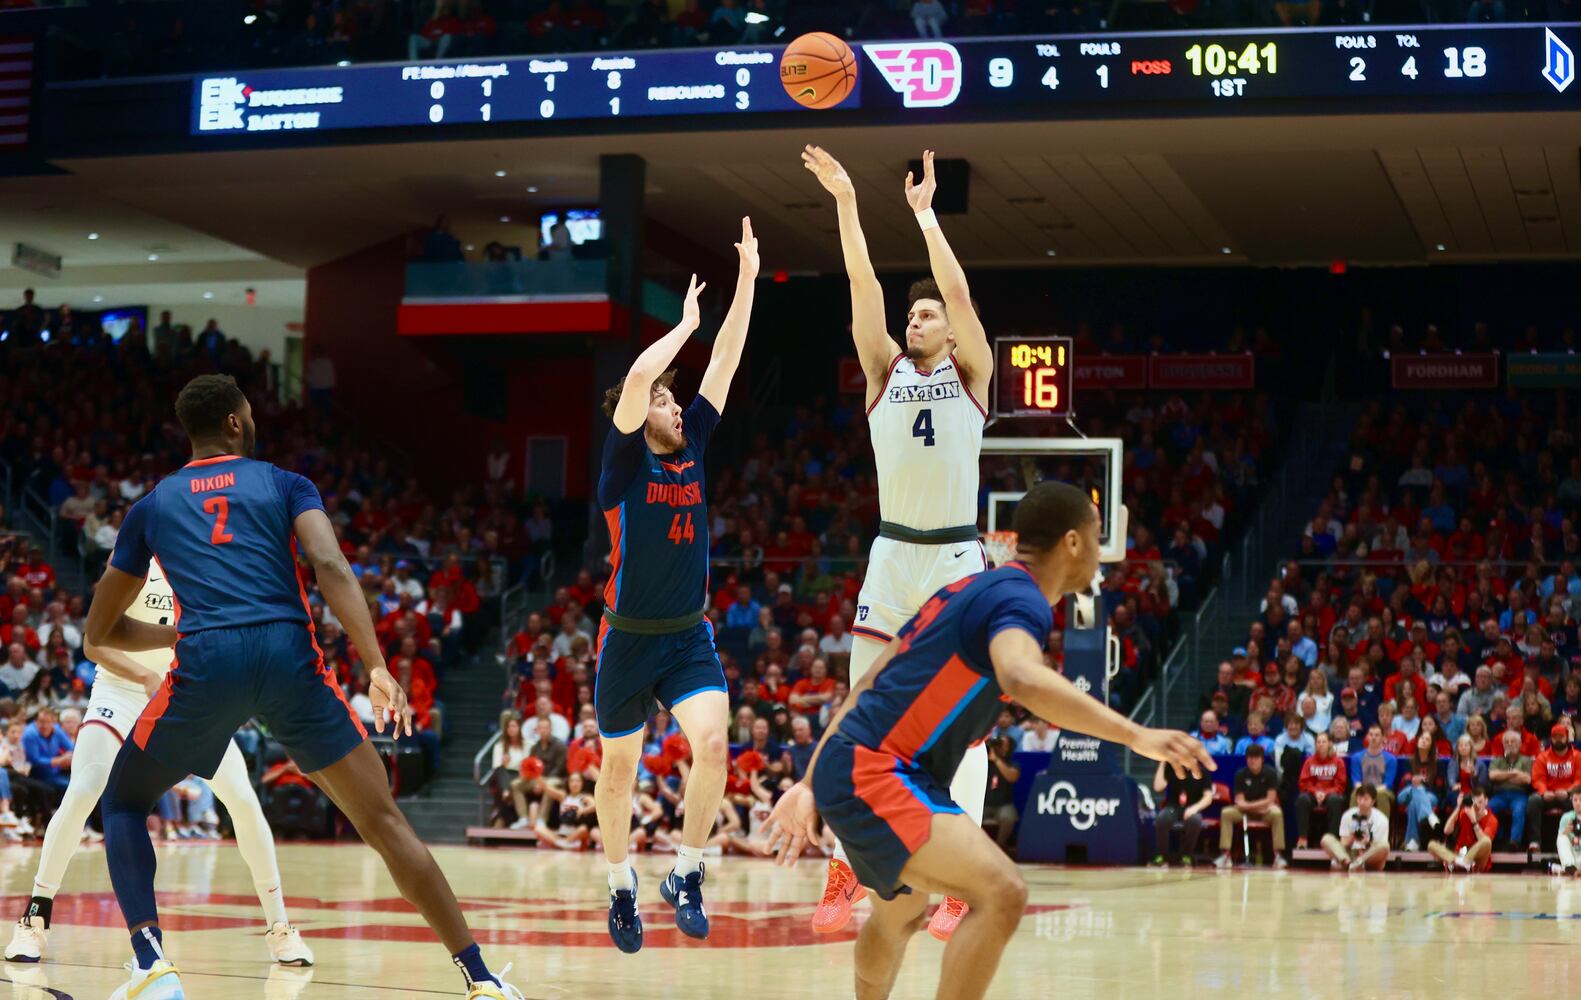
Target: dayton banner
(1110,371)
(1201,371)
(1445,371)
(1543,371)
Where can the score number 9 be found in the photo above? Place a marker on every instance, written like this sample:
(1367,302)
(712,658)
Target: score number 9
(1001,72)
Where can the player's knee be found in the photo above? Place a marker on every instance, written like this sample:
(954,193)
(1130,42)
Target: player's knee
(713,749)
(1005,893)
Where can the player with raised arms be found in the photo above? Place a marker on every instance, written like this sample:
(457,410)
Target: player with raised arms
(121,690)
(879,775)
(225,530)
(654,644)
(926,426)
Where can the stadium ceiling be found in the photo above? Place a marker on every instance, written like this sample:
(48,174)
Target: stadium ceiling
(1282,191)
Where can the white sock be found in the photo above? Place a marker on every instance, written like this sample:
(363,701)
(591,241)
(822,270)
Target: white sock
(839,854)
(621,877)
(688,860)
(273,901)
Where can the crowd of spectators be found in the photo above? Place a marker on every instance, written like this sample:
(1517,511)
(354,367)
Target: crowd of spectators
(188,35)
(1424,640)
(428,569)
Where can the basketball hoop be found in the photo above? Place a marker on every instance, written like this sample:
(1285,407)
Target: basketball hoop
(1000,546)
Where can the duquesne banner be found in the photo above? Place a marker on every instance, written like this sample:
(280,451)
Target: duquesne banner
(1445,371)
(1201,371)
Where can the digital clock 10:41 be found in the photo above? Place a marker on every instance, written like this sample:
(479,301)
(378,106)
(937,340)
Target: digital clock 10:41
(1216,60)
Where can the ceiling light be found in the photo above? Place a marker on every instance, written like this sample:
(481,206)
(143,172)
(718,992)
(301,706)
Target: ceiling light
(1051,253)
(1440,246)
(208,295)
(250,19)
(98,298)
(93,236)
(344,62)
(153,256)
(470,248)
(499,173)
(505,218)
(1224,249)
(532,189)
(756,17)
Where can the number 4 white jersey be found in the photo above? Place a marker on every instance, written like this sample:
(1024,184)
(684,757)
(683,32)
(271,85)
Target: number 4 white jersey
(927,432)
(156,605)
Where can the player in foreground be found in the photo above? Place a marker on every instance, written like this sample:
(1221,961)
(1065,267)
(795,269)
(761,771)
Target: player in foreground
(926,426)
(225,529)
(654,643)
(878,777)
(121,690)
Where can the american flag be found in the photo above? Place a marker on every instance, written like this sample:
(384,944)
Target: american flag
(16,86)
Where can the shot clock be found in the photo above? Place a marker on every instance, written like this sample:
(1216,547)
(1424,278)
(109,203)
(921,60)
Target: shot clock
(1352,70)
(1032,376)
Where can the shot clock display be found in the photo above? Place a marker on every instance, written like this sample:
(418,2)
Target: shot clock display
(1032,376)
(1434,67)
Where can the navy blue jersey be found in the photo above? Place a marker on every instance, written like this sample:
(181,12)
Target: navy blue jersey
(657,513)
(939,694)
(222,529)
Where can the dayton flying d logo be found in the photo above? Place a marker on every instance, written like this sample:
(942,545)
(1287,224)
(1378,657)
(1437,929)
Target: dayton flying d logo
(1561,62)
(924,74)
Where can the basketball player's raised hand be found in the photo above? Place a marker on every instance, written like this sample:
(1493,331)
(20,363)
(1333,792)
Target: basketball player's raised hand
(1179,750)
(793,824)
(828,171)
(389,702)
(691,314)
(747,249)
(920,196)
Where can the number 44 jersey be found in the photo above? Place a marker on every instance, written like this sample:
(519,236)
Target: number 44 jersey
(222,529)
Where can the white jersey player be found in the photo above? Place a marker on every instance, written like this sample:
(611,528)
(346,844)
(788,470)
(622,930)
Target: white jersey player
(926,423)
(122,687)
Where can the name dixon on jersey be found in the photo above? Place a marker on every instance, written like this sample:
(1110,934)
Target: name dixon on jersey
(675,494)
(924,393)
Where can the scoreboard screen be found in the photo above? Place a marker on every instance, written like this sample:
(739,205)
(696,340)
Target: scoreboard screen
(1032,376)
(1525,66)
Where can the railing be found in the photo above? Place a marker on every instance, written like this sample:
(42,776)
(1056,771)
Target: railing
(486,753)
(486,279)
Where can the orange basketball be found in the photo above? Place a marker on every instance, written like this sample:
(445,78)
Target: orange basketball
(818,70)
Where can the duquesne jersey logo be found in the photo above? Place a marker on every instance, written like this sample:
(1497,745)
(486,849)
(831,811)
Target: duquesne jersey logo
(677,468)
(924,74)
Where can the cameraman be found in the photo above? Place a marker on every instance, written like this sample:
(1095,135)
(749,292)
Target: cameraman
(1473,826)
(1363,840)
(999,802)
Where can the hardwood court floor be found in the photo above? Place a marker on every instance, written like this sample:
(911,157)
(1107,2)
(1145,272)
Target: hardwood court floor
(1090,933)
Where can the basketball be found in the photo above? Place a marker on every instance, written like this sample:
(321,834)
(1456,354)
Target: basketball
(818,70)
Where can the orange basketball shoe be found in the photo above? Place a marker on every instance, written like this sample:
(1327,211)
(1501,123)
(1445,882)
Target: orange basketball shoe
(947,917)
(840,893)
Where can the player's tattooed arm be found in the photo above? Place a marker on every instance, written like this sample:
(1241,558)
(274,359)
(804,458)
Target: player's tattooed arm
(732,336)
(873,344)
(632,410)
(107,624)
(1018,664)
(972,352)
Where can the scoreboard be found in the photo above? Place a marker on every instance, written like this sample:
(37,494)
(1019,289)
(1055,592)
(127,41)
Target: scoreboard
(1524,66)
(1032,376)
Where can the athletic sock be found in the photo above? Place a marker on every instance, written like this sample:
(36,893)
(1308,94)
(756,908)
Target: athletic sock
(470,961)
(273,901)
(147,946)
(839,855)
(42,907)
(621,877)
(688,860)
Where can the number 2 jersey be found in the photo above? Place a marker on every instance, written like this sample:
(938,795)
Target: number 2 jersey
(657,512)
(222,529)
(939,694)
